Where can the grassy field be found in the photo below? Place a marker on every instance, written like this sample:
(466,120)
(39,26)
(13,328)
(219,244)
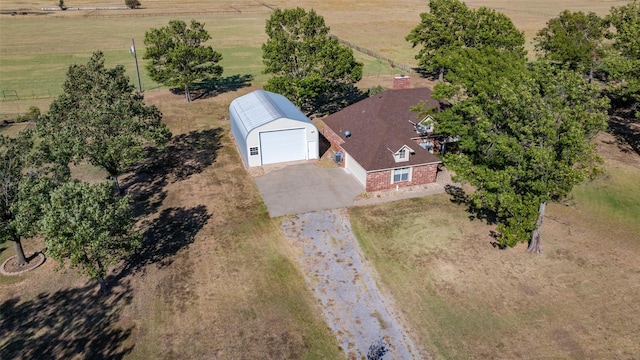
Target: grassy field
(466,299)
(37,48)
(217,280)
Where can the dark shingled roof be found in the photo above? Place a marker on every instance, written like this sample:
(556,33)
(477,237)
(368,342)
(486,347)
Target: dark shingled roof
(379,124)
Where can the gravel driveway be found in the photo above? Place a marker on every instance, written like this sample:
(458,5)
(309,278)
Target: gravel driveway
(346,286)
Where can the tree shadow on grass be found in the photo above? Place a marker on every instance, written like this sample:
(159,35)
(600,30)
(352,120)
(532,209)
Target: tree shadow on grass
(70,323)
(186,155)
(626,129)
(173,230)
(424,73)
(458,196)
(212,87)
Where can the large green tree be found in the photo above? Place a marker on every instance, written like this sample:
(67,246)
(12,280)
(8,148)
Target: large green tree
(89,226)
(476,71)
(99,118)
(178,57)
(308,66)
(625,21)
(451,27)
(25,182)
(622,66)
(15,159)
(523,143)
(573,39)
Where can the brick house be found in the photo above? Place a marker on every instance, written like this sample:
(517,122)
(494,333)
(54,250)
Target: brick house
(384,144)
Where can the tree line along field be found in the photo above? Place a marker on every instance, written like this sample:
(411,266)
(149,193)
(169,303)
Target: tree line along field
(232,275)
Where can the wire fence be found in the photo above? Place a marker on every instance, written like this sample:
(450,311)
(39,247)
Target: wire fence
(394,64)
(44,93)
(19,50)
(125,12)
(199,13)
(40,93)
(537,13)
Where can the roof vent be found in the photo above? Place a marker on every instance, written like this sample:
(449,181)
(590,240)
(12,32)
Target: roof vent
(347,134)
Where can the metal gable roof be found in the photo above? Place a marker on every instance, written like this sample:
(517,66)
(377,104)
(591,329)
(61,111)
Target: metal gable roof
(261,107)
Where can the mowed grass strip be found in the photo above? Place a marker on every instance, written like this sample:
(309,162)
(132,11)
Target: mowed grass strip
(465,299)
(34,61)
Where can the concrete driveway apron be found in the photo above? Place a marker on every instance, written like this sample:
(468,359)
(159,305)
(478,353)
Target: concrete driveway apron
(302,188)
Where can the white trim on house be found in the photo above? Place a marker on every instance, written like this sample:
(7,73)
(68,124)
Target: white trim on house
(404,150)
(412,165)
(401,171)
(428,123)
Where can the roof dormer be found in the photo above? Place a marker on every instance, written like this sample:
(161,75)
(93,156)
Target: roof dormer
(425,126)
(403,154)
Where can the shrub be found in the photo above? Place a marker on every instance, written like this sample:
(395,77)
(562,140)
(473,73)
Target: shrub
(132,4)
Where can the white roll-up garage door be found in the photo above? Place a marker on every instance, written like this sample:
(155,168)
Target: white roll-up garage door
(283,145)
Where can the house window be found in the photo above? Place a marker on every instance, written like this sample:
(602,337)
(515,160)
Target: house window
(402,154)
(400,175)
(253,150)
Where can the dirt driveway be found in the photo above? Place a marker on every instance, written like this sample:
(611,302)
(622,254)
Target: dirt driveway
(359,313)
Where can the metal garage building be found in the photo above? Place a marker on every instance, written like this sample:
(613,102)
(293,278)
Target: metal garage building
(269,129)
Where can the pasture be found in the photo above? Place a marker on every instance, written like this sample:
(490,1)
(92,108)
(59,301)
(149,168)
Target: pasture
(216,278)
(38,46)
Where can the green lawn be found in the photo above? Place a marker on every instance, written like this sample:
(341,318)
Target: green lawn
(614,197)
(36,52)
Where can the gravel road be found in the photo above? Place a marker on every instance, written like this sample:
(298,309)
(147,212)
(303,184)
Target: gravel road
(360,314)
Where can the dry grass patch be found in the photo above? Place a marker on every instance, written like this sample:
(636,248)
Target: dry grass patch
(465,299)
(233,292)
(14,129)
(214,278)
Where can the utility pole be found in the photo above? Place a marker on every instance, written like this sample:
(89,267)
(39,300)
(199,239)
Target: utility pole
(135,57)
